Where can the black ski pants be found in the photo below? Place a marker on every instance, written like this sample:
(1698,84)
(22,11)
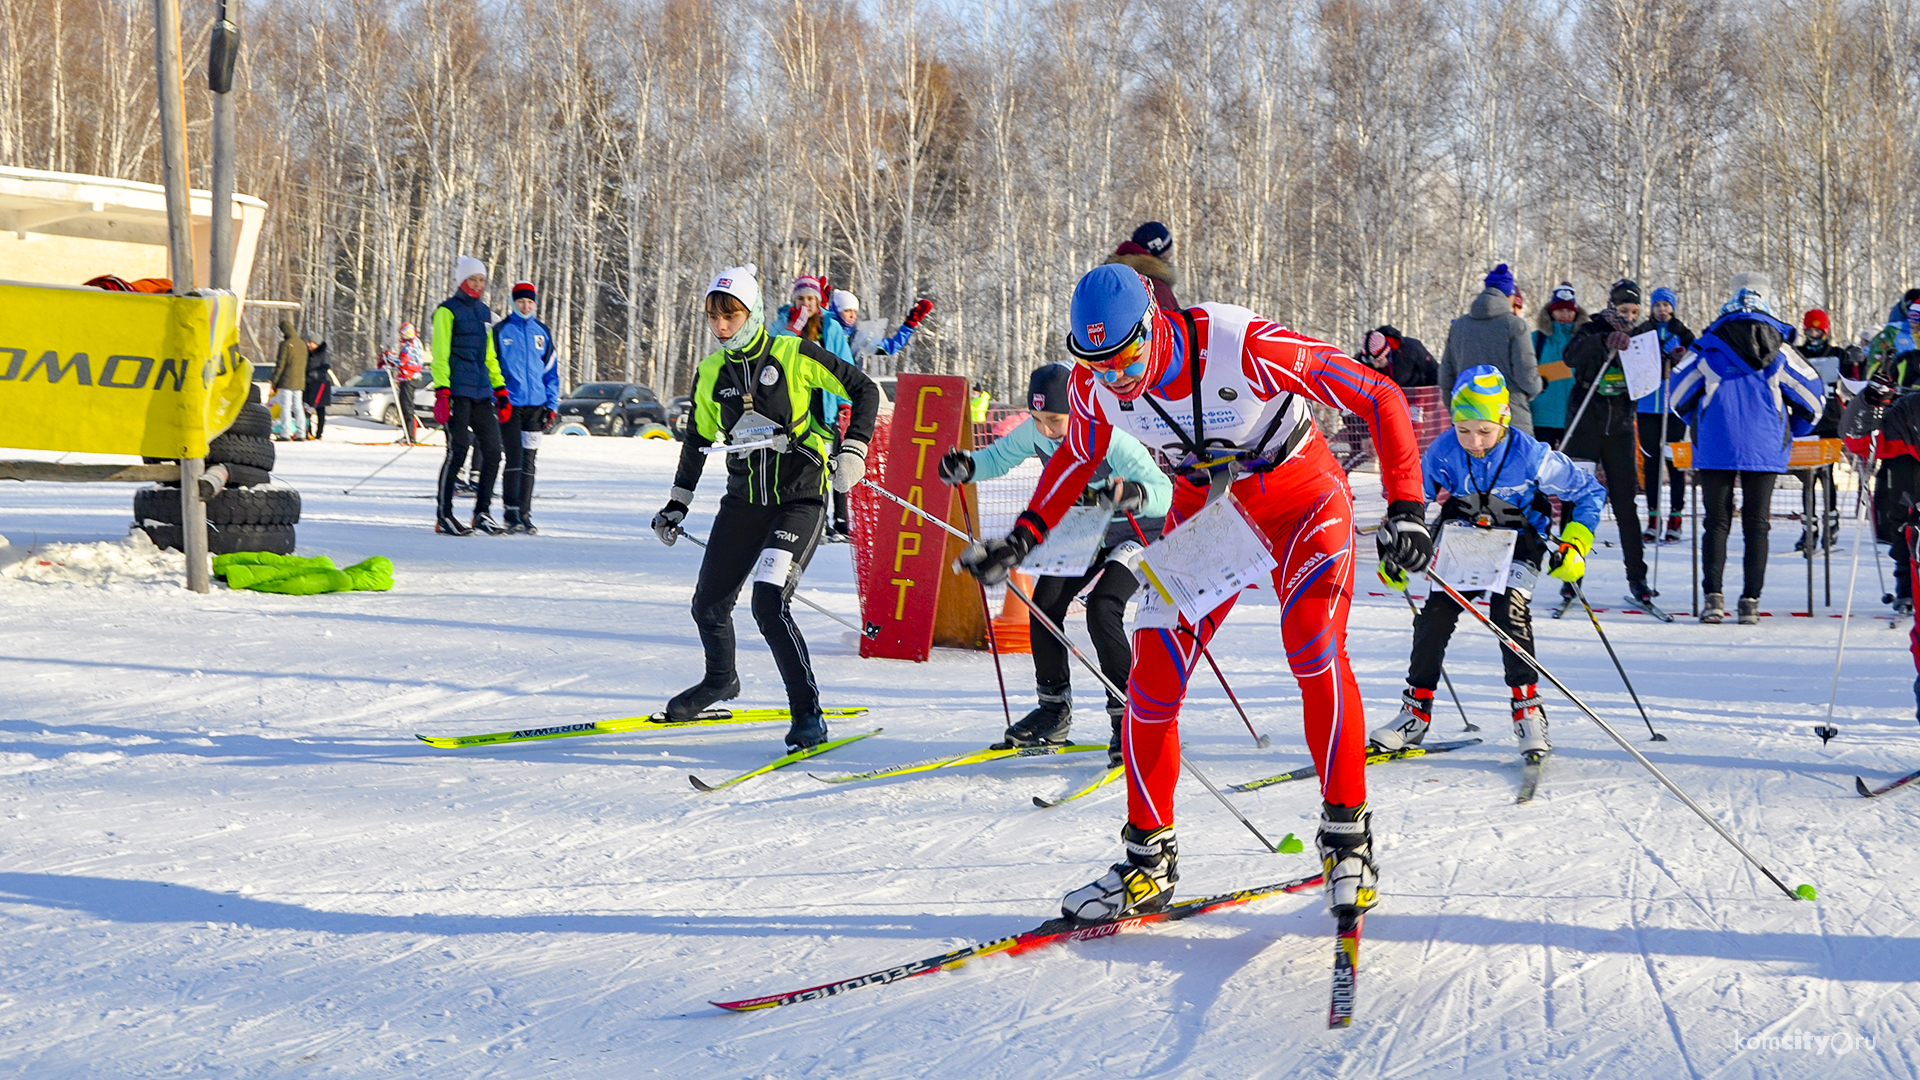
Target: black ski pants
(1620,465)
(1511,611)
(771,545)
(1113,584)
(472,422)
(520,438)
(1895,486)
(403,395)
(1716,502)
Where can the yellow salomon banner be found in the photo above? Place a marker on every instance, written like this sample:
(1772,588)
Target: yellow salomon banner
(118,373)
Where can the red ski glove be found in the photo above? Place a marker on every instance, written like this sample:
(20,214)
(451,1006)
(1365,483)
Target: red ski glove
(504,403)
(920,309)
(442,406)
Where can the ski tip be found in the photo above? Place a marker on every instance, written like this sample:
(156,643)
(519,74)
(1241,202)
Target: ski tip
(1806,892)
(1044,804)
(699,784)
(1860,785)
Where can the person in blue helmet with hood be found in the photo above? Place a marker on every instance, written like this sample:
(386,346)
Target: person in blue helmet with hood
(1495,476)
(525,348)
(1746,393)
(1133,487)
(1658,425)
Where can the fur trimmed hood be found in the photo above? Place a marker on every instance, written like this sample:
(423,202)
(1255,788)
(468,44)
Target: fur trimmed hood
(1543,319)
(1150,265)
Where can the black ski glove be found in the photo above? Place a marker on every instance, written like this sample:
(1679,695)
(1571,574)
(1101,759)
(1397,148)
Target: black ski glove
(1122,497)
(666,523)
(992,561)
(956,467)
(1403,541)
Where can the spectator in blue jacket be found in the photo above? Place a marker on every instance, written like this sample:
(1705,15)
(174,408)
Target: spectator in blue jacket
(1658,425)
(1494,476)
(870,338)
(525,347)
(805,316)
(1129,483)
(1746,393)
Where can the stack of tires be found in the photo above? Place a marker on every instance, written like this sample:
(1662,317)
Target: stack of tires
(249,514)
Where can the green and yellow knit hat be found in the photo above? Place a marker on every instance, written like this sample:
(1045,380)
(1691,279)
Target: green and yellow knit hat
(1481,394)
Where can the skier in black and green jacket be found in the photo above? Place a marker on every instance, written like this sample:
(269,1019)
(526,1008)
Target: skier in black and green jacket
(766,399)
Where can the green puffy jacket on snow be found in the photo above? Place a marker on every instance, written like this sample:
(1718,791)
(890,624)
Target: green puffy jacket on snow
(294,575)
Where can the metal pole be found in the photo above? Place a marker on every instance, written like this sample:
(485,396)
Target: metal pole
(1513,645)
(1451,692)
(173,170)
(1827,730)
(1617,665)
(993,640)
(1810,537)
(221,54)
(1041,617)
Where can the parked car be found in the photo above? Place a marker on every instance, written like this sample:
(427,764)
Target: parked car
(610,408)
(369,396)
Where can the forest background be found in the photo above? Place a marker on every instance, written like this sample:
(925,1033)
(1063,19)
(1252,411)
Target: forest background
(1333,164)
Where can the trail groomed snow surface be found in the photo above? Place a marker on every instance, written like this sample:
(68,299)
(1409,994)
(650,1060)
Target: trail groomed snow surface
(227,854)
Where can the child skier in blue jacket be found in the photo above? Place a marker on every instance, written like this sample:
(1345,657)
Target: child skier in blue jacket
(1495,478)
(1135,488)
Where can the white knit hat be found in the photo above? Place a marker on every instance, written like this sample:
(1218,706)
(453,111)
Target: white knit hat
(845,301)
(466,266)
(740,282)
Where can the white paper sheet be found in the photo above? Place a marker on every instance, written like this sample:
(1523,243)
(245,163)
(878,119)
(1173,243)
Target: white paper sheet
(1640,360)
(1071,546)
(1207,560)
(1471,559)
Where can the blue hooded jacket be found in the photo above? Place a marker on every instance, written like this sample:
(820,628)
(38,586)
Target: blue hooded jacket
(1518,468)
(525,345)
(1744,416)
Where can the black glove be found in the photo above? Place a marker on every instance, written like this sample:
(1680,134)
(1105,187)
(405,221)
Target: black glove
(1403,541)
(956,467)
(666,523)
(993,560)
(545,418)
(1122,497)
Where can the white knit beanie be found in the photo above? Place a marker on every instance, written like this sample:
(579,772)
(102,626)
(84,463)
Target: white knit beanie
(465,267)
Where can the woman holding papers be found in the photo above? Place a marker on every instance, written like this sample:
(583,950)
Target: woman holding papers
(1493,476)
(1222,394)
(1603,427)
(1130,485)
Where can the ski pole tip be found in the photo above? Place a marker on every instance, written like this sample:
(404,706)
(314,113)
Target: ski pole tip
(1657,737)
(1265,741)
(1806,892)
(1289,845)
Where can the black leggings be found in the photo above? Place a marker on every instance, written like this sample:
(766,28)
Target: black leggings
(771,544)
(516,484)
(472,421)
(1511,611)
(1716,500)
(1620,461)
(1653,442)
(1106,622)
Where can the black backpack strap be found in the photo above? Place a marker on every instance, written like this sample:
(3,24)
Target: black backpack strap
(1197,442)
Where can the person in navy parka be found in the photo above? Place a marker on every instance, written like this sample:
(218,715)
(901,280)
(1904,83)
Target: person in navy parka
(1746,393)
(525,347)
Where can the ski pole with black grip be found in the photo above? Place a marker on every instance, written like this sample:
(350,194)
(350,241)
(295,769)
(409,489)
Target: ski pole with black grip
(1041,617)
(1804,892)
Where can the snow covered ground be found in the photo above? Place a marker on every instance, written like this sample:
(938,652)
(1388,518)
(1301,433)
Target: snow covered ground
(226,855)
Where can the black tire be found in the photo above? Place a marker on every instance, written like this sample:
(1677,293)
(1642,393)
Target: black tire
(244,506)
(255,419)
(255,451)
(238,476)
(227,539)
(391,417)
(617,427)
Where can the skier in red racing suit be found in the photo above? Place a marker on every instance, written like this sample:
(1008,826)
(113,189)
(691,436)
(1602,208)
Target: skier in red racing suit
(1140,370)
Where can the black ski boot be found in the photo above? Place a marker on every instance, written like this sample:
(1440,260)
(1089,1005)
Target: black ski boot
(696,699)
(512,520)
(526,525)
(1045,725)
(1116,747)
(806,731)
(1346,856)
(1144,883)
(485,523)
(1641,592)
(451,526)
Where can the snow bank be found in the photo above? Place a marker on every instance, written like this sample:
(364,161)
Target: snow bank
(131,563)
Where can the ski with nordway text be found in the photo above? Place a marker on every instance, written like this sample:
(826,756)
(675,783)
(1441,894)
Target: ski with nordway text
(657,721)
(1051,932)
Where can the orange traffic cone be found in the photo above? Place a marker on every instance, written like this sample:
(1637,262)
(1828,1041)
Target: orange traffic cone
(1011,630)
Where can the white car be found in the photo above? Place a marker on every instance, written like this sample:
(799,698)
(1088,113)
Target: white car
(369,396)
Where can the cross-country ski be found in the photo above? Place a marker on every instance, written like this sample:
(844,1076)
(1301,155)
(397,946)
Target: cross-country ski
(654,722)
(782,761)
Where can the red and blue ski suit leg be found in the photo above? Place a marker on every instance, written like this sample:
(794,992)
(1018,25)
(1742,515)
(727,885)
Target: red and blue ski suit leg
(1305,509)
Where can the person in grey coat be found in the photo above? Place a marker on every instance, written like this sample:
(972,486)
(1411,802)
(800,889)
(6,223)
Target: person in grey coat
(1490,333)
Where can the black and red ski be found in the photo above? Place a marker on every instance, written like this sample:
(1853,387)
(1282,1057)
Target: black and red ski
(1860,785)
(1346,970)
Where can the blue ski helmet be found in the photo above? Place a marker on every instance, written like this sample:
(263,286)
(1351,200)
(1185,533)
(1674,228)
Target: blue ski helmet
(1111,308)
(1481,394)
